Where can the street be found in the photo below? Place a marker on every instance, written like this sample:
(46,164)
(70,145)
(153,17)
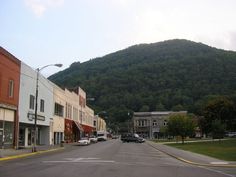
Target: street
(104,159)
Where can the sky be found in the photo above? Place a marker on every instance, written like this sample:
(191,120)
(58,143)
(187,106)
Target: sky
(42,32)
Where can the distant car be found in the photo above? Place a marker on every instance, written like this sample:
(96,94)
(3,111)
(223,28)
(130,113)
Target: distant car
(84,141)
(102,135)
(230,134)
(131,137)
(115,136)
(93,139)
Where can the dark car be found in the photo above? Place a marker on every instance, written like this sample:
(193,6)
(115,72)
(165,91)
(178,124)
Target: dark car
(131,137)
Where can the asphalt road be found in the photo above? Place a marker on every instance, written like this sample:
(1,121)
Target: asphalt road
(104,159)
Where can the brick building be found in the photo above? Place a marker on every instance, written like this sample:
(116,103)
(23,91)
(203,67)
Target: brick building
(9,98)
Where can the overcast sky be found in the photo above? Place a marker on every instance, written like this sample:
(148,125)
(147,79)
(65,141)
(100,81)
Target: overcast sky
(41,32)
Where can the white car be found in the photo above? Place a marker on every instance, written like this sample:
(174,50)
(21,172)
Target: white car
(84,141)
(93,139)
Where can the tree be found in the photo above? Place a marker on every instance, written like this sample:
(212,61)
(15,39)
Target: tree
(180,125)
(218,129)
(160,107)
(178,107)
(221,109)
(204,125)
(145,108)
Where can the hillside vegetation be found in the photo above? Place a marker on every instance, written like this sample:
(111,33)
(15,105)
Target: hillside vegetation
(170,75)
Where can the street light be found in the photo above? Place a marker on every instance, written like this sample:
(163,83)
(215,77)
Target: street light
(36,103)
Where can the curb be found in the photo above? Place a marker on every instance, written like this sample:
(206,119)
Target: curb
(191,162)
(29,154)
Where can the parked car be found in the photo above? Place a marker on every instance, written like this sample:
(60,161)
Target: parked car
(102,135)
(131,137)
(93,139)
(84,141)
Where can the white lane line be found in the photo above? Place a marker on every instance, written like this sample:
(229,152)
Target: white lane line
(219,163)
(81,161)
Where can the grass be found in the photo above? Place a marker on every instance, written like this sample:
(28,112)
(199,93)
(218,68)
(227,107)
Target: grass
(224,150)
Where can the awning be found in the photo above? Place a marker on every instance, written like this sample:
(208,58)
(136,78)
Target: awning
(79,126)
(88,129)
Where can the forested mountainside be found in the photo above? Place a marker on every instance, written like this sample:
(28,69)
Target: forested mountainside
(170,75)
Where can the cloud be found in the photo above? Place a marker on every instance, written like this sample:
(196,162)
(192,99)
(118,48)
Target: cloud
(38,7)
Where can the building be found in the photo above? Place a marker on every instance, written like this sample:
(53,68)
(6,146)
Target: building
(86,114)
(59,99)
(62,115)
(88,125)
(99,123)
(27,108)
(149,124)
(9,98)
(73,129)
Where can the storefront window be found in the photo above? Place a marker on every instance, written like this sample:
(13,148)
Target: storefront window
(8,132)
(1,124)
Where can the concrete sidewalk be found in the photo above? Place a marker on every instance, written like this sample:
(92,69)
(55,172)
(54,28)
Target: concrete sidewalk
(190,157)
(6,154)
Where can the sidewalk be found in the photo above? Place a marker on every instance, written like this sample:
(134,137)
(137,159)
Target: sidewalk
(12,153)
(192,158)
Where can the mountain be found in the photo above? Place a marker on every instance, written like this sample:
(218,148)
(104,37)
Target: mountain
(170,75)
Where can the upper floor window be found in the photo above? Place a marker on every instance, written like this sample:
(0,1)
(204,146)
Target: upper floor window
(11,89)
(68,110)
(31,103)
(154,123)
(41,105)
(165,123)
(75,114)
(58,110)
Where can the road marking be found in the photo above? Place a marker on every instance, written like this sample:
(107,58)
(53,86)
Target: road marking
(217,171)
(80,160)
(219,163)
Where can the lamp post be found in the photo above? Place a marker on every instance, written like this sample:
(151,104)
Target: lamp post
(36,103)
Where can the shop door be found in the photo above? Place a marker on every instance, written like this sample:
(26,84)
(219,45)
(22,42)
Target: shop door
(1,139)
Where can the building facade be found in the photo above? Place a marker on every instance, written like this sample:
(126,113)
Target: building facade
(27,108)
(9,98)
(62,114)
(100,124)
(59,105)
(149,124)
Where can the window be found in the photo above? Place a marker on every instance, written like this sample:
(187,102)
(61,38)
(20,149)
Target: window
(31,105)
(68,110)
(165,123)
(58,110)
(154,123)
(142,123)
(11,88)
(75,114)
(41,105)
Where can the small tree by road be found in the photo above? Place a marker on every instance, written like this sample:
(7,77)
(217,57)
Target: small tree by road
(180,125)
(218,129)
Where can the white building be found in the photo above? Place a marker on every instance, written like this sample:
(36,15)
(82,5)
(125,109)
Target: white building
(27,108)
